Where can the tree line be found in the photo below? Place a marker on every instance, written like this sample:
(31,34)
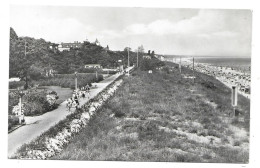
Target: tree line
(30,58)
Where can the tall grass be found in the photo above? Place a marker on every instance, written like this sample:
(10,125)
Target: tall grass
(163,117)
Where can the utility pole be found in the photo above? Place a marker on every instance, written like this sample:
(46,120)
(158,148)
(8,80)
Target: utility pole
(96,75)
(26,80)
(128,64)
(76,81)
(180,65)
(193,70)
(137,58)
(25,49)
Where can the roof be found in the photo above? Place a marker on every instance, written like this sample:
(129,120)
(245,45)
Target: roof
(71,45)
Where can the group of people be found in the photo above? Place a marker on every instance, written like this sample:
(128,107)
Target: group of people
(73,102)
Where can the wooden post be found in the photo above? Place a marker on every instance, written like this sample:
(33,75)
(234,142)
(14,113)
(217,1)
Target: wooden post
(234,98)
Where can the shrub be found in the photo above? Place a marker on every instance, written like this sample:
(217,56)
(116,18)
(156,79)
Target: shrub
(16,84)
(166,69)
(209,85)
(35,103)
(193,130)
(119,114)
(12,121)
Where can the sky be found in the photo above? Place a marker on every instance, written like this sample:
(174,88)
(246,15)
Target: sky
(207,32)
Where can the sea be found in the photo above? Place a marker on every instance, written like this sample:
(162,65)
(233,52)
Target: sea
(237,63)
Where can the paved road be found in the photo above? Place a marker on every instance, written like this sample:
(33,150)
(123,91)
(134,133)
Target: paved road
(35,126)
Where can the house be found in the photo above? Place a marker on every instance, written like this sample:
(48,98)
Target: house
(98,66)
(49,72)
(146,57)
(160,57)
(53,47)
(68,46)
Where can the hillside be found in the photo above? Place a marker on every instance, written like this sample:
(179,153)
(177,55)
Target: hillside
(165,117)
(30,58)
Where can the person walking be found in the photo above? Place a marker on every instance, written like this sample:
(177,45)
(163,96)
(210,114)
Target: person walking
(88,90)
(76,100)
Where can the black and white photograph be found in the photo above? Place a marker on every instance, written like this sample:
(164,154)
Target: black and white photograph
(129,84)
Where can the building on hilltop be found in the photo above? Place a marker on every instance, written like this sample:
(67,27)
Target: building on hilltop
(53,47)
(107,48)
(68,46)
(98,66)
(146,57)
(160,57)
(97,42)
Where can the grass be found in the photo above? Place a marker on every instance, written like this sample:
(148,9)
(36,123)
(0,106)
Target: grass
(164,117)
(68,80)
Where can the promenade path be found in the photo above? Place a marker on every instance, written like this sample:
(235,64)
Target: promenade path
(35,126)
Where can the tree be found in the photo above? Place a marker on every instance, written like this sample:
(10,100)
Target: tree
(26,52)
(127,48)
(150,64)
(141,49)
(152,53)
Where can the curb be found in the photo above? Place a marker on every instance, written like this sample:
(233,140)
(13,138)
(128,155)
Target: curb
(18,126)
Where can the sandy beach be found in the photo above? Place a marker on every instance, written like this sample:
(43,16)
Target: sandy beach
(226,75)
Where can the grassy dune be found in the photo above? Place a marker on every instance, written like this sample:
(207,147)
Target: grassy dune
(165,117)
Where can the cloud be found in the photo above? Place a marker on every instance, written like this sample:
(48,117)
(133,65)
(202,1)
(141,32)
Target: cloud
(50,28)
(205,32)
(211,22)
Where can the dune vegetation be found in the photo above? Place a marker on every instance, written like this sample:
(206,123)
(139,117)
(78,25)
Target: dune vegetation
(164,116)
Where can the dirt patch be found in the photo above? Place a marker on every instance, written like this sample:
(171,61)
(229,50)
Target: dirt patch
(211,103)
(193,136)
(131,119)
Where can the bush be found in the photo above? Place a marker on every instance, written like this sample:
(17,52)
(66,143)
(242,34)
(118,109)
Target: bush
(119,114)
(34,103)
(150,64)
(13,100)
(16,84)
(166,69)
(12,121)
(209,85)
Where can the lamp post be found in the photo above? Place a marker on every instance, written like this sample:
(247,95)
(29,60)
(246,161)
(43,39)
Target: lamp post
(21,115)
(76,80)
(120,69)
(193,70)
(96,75)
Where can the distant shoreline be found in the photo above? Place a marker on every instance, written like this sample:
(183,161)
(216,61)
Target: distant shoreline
(228,75)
